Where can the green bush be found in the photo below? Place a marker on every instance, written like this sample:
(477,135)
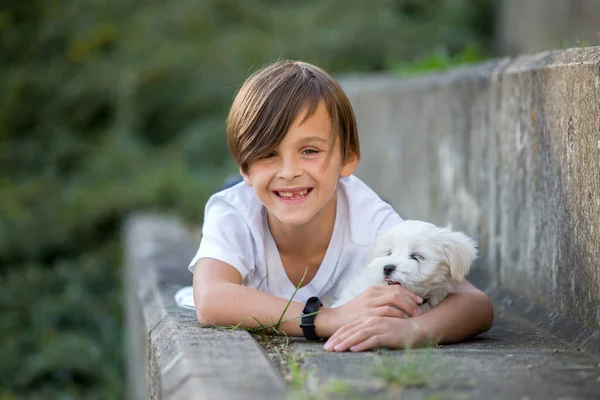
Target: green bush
(112,106)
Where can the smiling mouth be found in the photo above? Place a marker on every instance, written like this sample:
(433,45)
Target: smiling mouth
(392,282)
(298,194)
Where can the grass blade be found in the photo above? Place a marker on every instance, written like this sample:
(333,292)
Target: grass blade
(290,300)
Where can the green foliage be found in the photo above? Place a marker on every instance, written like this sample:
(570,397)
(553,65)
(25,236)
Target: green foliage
(111,106)
(438,60)
(59,332)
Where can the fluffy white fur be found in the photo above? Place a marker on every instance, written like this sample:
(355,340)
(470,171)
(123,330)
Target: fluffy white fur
(420,256)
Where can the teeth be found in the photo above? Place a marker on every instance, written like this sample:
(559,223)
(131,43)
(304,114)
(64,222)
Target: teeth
(295,195)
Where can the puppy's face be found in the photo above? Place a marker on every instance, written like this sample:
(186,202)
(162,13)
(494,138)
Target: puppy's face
(420,255)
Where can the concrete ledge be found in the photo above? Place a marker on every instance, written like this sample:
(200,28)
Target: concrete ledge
(514,360)
(170,355)
(508,151)
(562,327)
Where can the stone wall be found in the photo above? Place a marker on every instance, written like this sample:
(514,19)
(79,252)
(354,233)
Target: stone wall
(528,26)
(508,151)
(169,355)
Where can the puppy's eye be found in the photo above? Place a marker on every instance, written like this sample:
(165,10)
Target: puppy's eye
(417,257)
(388,253)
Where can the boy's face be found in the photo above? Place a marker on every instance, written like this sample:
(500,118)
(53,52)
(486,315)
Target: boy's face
(298,181)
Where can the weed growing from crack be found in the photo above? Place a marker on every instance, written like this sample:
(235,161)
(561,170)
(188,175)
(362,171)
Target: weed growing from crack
(276,342)
(413,369)
(337,387)
(295,377)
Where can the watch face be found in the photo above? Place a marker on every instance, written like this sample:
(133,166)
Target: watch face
(313,304)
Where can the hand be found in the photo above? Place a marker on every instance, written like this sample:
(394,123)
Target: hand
(381,301)
(369,332)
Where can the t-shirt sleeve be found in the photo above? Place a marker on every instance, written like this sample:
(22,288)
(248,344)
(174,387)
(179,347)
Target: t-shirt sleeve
(225,237)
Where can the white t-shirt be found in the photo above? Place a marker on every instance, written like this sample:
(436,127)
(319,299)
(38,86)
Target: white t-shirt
(236,232)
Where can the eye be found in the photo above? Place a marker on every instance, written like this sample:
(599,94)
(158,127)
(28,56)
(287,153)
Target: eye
(310,152)
(417,257)
(388,253)
(270,155)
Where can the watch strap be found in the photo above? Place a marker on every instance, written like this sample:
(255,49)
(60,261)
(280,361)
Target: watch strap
(307,322)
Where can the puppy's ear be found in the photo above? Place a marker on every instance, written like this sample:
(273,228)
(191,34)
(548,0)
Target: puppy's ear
(459,251)
(381,242)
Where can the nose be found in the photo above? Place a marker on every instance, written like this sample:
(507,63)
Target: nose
(388,269)
(289,168)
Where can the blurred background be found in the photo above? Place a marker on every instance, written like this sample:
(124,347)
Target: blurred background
(113,106)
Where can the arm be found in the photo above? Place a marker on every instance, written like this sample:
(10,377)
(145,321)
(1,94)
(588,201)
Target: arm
(219,295)
(221,299)
(463,314)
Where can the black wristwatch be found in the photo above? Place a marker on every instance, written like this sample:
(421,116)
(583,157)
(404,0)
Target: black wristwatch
(308,321)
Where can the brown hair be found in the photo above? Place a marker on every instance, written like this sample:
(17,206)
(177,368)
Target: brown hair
(271,99)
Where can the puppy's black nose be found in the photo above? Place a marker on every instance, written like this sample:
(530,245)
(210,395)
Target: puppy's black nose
(388,269)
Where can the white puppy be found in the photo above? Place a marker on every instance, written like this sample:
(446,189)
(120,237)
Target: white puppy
(421,257)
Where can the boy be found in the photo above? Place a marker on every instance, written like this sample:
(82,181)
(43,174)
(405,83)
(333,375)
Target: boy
(301,218)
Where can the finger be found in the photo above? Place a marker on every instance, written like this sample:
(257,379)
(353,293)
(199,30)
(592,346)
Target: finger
(387,338)
(356,336)
(390,311)
(335,339)
(348,330)
(370,343)
(402,301)
(402,290)
(341,333)
(379,291)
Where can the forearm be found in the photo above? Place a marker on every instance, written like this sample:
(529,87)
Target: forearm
(462,315)
(221,299)
(229,304)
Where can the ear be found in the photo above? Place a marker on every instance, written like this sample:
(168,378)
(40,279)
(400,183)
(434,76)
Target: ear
(459,251)
(246,177)
(381,241)
(349,166)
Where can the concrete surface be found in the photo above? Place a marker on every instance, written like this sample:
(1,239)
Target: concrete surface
(509,152)
(529,26)
(172,357)
(515,360)
(179,359)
